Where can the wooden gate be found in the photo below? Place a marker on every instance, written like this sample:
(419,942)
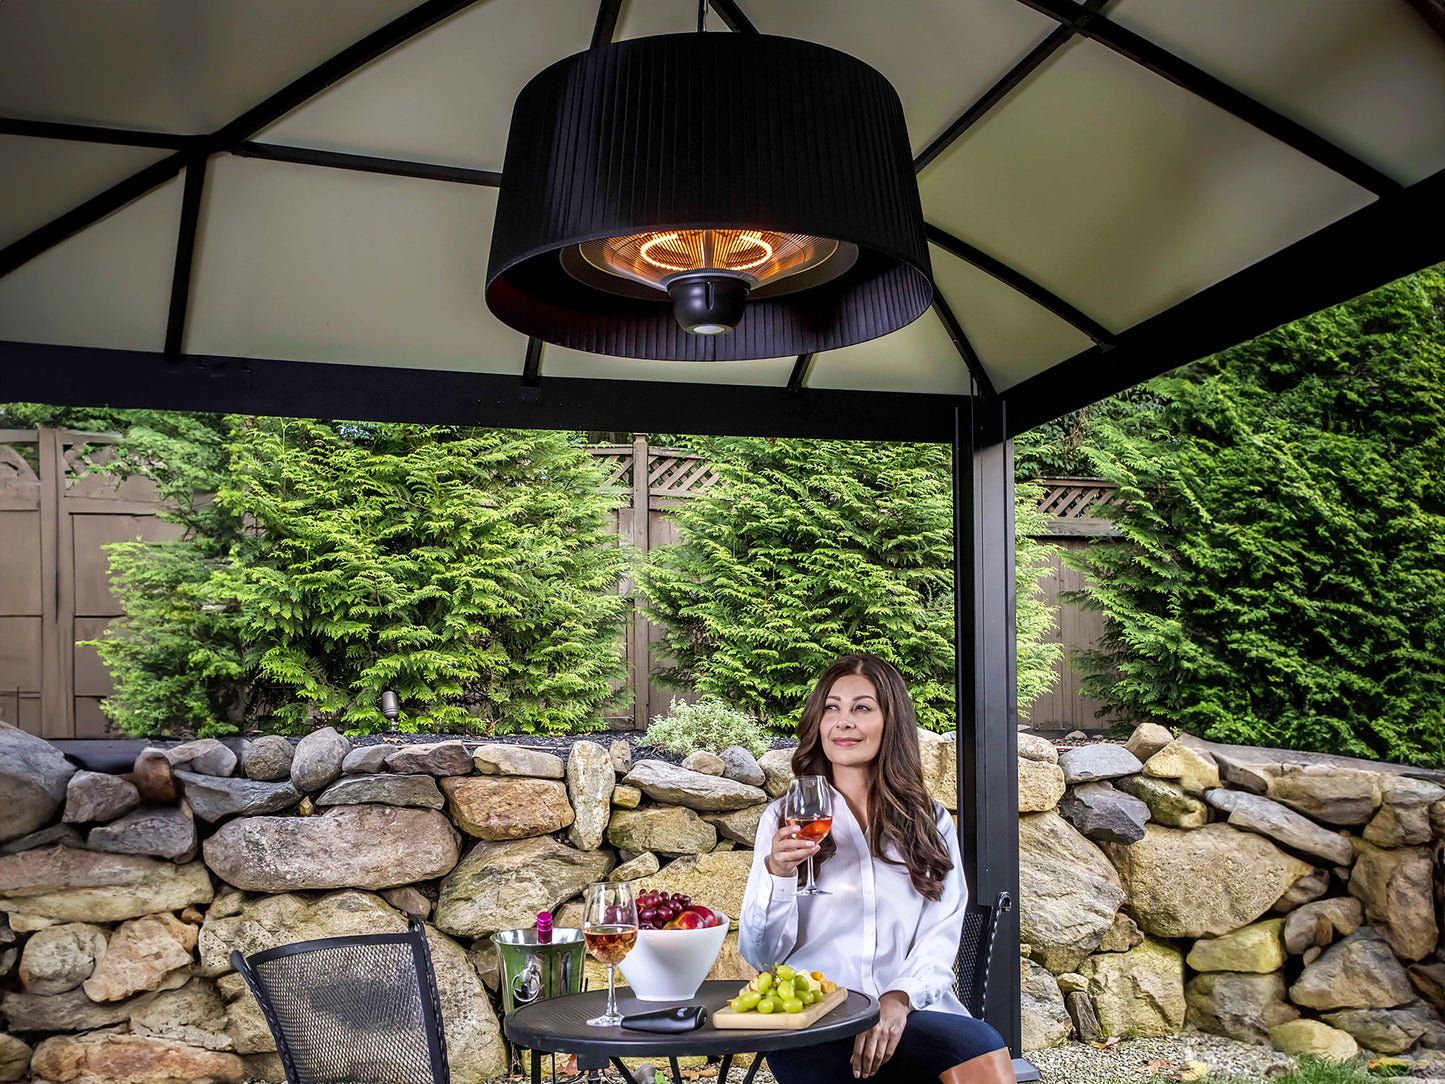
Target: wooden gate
(56,515)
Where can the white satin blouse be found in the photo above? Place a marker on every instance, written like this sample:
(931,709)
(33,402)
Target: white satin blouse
(873,933)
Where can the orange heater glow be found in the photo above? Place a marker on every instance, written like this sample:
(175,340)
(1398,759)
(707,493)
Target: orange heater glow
(708,273)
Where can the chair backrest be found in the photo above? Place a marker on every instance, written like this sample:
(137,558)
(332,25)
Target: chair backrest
(352,1010)
(975,951)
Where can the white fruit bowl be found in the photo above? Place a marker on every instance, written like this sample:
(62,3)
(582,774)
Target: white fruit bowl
(669,965)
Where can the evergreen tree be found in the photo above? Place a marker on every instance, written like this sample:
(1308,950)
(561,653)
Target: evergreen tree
(1282,578)
(469,570)
(807,550)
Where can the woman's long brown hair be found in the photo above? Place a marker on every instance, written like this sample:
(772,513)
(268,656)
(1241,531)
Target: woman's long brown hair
(900,811)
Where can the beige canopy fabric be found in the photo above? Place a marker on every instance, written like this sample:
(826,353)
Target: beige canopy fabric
(1094,176)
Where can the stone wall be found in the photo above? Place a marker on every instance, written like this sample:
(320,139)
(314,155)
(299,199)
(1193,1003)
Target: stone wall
(1274,897)
(1164,882)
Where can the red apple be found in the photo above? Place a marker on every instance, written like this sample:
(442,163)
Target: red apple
(709,918)
(691,920)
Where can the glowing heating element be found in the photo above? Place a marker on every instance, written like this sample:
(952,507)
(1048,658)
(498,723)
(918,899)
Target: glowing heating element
(758,256)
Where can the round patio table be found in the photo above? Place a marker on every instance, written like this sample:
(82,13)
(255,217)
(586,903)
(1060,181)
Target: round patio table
(559,1025)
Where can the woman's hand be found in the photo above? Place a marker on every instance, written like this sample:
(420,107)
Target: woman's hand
(875,1046)
(789,851)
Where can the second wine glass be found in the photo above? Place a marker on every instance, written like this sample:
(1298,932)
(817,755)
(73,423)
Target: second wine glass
(609,926)
(809,807)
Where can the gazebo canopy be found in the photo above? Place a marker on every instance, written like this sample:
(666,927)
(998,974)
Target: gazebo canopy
(1111,189)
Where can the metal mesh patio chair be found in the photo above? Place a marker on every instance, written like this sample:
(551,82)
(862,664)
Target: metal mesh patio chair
(352,1010)
(975,951)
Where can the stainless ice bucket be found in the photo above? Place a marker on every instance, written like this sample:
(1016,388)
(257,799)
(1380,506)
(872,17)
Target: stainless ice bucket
(533,970)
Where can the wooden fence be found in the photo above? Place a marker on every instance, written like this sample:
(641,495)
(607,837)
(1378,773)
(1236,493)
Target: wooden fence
(56,516)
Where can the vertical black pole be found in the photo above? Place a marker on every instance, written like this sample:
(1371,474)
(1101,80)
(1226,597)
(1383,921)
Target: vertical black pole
(987,691)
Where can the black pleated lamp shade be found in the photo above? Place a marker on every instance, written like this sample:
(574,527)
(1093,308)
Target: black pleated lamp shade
(777,164)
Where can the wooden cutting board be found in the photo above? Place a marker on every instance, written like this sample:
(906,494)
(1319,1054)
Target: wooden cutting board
(780,1021)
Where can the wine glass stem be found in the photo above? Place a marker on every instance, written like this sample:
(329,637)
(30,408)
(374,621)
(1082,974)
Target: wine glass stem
(810,874)
(611,990)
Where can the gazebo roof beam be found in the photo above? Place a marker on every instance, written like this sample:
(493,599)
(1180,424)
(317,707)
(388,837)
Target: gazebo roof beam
(1389,238)
(992,265)
(185,255)
(365,163)
(962,345)
(1001,90)
(379,42)
(799,376)
(1197,81)
(91,133)
(606,25)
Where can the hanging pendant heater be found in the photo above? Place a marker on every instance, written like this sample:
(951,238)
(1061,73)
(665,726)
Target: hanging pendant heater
(708,197)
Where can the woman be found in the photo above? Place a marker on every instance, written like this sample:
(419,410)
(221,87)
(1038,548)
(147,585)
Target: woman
(891,921)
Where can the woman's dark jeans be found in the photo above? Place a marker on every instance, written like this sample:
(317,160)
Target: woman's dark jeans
(932,1043)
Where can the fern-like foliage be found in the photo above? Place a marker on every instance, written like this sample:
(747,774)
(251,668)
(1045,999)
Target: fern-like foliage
(807,550)
(1282,578)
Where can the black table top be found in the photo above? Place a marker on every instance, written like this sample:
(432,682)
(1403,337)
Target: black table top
(560,1024)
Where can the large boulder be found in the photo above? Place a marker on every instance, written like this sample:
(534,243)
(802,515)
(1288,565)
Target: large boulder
(440,758)
(267,758)
(1395,886)
(512,760)
(205,756)
(1045,1021)
(1169,804)
(740,825)
(1123,935)
(1104,814)
(1282,824)
(62,884)
(1101,760)
(475,1050)
(1359,972)
(939,755)
(193,1014)
(1033,747)
(108,1058)
(142,955)
(63,835)
(1310,1038)
(161,831)
(643,865)
(1326,792)
(1139,992)
(502,885)
(590,782)
(1429,979)
(1391,1031)
(739,764)
(153,777)
(1241,1006)
(1147,739)
(213,798)
(33,779)
(666,829)
(1068,892)
(316,762)
(14,1058)
(1041,785)
(700,760)
(352,846)
(1320,922)
(1203,882)
(60,958)
(715,880)
(71,1011)
(1256,948)
(777,766)
(96,796)
(1187,760)
(366,760)
(494,808)
(674,785)
(403,790)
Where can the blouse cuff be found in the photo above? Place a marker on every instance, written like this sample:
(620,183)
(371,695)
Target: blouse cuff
(919,995)
(782,889)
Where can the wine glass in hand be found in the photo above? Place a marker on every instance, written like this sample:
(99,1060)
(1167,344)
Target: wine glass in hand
(609,926)
(809,807)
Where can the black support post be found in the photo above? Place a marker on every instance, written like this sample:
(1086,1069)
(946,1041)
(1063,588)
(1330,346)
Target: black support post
(987,690)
